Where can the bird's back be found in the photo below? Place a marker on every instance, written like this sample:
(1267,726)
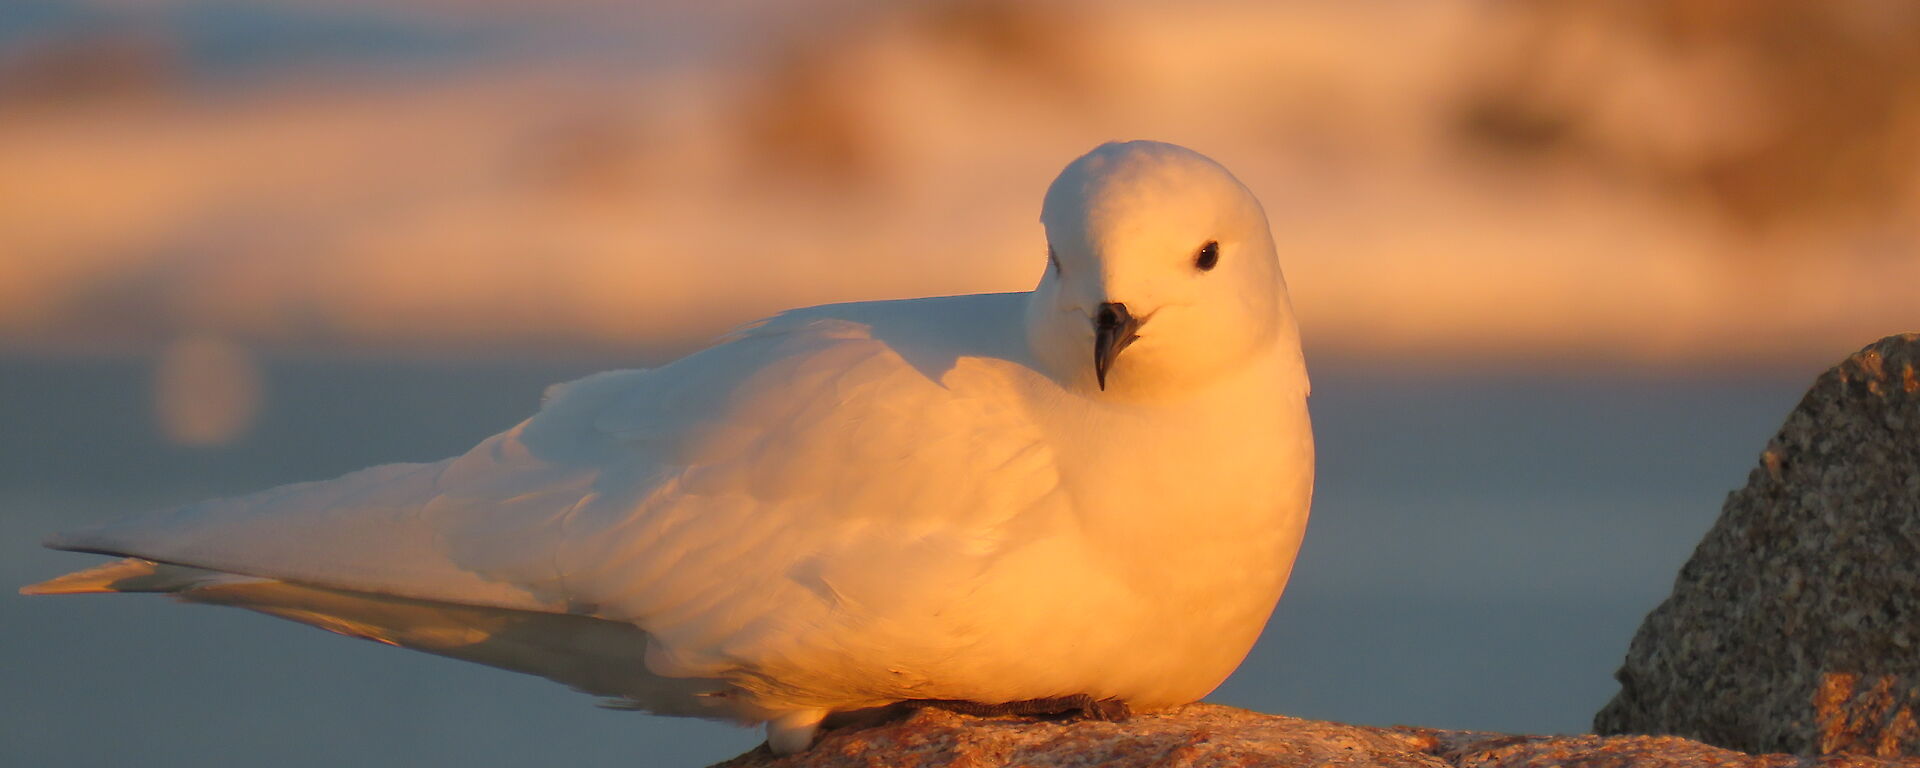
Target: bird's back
(828,468)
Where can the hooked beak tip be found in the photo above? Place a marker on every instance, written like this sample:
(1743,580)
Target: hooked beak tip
(1113,330)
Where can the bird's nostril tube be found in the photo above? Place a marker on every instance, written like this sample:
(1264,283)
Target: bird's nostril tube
(1113,314)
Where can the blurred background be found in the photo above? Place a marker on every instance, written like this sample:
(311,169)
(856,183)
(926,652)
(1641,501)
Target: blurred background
(1562,267)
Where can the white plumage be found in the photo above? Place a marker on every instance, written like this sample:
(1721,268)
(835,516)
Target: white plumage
(848,505)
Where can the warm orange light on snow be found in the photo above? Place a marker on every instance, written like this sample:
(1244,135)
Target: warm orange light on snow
(1448,179)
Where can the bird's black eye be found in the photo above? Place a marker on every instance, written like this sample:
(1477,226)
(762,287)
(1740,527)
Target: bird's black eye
(1208,256)
(1053,262)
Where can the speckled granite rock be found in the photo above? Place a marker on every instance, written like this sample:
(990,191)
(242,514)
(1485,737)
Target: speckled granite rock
(1793,627)
(1212,736)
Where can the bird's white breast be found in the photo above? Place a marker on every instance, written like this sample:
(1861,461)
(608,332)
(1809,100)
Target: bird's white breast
(1169,540)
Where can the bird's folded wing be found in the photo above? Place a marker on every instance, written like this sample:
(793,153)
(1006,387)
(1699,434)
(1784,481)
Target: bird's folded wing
(800,475)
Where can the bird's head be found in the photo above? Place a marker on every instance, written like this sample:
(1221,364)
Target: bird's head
(1161,275)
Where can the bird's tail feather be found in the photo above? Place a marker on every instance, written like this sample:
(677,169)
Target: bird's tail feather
(597,656)
(132,574)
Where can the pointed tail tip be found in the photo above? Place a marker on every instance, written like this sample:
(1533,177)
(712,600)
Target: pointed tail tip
(54,586)
(129,575)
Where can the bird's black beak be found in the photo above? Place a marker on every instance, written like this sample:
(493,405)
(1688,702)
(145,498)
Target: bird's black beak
(1113,330)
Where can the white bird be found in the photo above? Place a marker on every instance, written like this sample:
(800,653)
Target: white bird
(1087,495)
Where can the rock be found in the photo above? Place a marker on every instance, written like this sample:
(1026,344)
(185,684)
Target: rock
(1211,735)
(1793,627)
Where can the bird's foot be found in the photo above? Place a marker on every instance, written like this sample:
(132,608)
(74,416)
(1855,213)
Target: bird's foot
(1106,710)
(1075,707)
(1079,706)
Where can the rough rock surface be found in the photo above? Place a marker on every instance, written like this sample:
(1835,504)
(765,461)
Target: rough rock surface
(1793,627)
(1208,735)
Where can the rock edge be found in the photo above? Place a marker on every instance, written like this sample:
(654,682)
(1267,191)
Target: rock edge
(1212,735)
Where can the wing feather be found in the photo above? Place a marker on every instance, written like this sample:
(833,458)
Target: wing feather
(811,485)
